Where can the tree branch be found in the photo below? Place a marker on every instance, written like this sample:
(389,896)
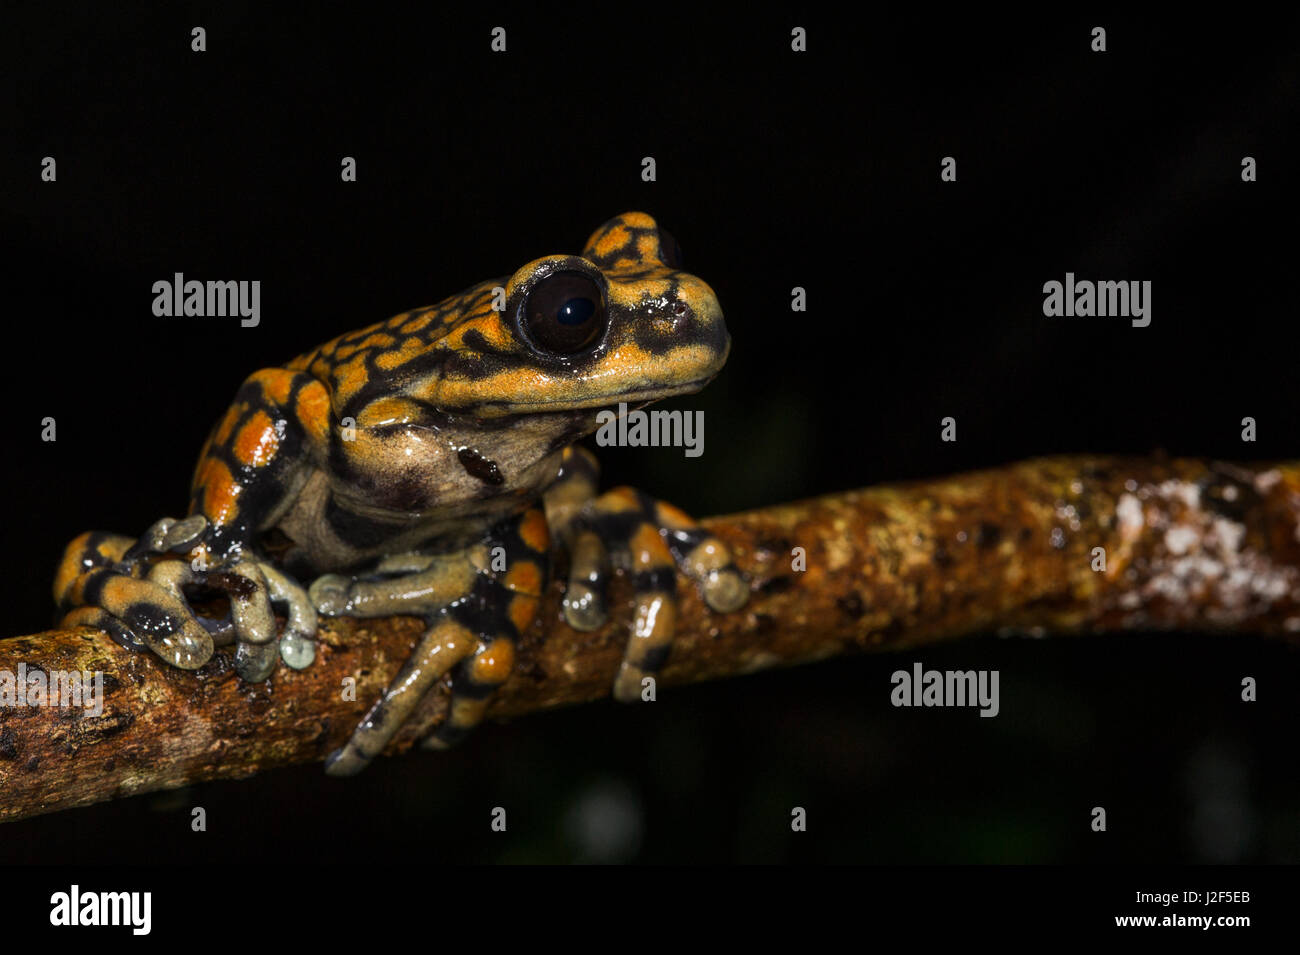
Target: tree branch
(1188,545)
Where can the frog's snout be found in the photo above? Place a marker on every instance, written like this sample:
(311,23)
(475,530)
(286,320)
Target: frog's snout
(692,324)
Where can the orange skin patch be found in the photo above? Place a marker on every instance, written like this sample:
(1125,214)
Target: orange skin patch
(119,593)
(614,239)
(534,532)
(628,363)
(648,246)
(256,442)
(619,501)
(489,325)
(649,550)
(524,577)
(220,492)
(377,340)
(416,324)
(314,411)
(275,384)
(673,517)
(71,565)
(522,611)
(113,548)
(227,426)
(411,348)
(638,220)
(387,411)
(631,294)
(494,664)
(80,542)
(351,377)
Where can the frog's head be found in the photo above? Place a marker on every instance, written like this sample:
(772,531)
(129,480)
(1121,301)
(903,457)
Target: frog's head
(621,322)
(464,408)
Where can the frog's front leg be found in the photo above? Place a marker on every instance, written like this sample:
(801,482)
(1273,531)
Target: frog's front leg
(475,603)
(649,538)
(247,474)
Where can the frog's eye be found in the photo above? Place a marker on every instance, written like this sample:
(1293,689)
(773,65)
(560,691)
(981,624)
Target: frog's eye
(670,253)
(564,312)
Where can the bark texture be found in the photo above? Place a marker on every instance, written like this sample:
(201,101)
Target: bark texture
(1189,545)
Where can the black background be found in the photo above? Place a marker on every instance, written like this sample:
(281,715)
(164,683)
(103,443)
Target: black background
(775,169)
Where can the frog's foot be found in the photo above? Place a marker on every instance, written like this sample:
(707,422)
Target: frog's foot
(102,583)
(140,593)
(444,644)
(627,528)
(477,665)
(476,603)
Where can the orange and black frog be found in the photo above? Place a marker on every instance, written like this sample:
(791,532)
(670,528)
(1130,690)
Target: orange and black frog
(420,466)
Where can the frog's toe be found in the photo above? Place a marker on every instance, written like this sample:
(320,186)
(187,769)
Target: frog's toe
(607,530)
(654,613)
(584,602)
(99,619)
(652,540)
(250,586)
(255,662)
(444,644)
(173,536)
(136,591)
(297,652)
(330,594)
(297,642)
(166,536)
(654,623)
(725,590)
(704,559)
(474,681)
(101,586)
(152,613)
(256,635)
(620,527)
(250,602)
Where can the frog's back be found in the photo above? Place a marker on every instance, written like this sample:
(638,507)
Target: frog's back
(395,350)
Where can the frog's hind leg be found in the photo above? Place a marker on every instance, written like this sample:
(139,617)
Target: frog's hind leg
(443,645)
(473,683)
(513,569)
(472,636)
(650,539)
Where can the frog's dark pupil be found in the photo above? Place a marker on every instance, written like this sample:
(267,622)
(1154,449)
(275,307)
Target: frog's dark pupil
(564,313)
(576,311)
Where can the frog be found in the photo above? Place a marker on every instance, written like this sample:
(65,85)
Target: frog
(424,466)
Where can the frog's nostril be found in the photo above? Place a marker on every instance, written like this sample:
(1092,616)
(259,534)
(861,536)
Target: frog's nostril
(680,309)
